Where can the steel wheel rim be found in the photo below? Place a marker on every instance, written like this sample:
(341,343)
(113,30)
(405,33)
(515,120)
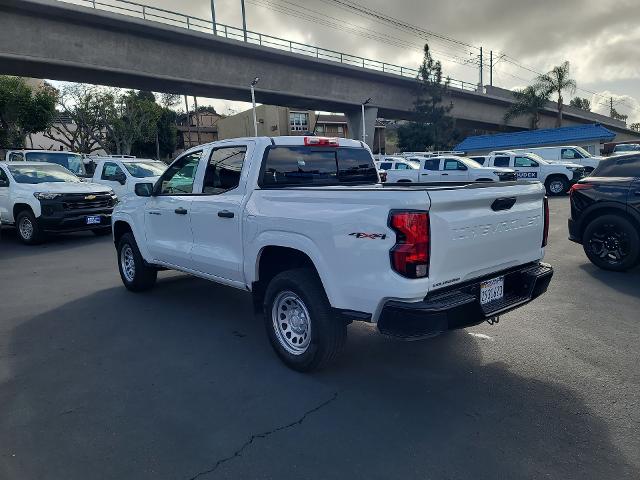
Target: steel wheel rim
(556,186)
(26,228)
(127,262)
(610,243)
(291,322)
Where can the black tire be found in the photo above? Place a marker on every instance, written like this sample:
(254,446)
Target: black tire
(484,180)
(557,185)
(102,232)
(142,277)
(327,334)
(29,232)
(611,236)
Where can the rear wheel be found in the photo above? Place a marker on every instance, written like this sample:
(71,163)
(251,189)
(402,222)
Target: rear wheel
(29,231)
(612,243)
(557,185)
(135,274)
(299,321)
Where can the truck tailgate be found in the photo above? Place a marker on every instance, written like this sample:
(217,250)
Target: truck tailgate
(475,232)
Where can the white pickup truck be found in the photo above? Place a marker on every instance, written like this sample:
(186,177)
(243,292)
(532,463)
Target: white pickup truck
(557,177)
(450,169)
(40,198)
(304,224)
(122,174)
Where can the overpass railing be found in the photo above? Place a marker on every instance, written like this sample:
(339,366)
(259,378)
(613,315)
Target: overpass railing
(155,14)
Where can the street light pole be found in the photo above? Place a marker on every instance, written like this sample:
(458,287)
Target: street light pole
(364,130)
(244,20)
(253,100)
(213,17)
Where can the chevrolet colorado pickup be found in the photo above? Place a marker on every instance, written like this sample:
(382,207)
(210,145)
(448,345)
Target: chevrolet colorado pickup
(40,198)
(305,225)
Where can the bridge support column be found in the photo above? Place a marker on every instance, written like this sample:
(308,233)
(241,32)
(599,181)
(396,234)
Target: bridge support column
(354,123)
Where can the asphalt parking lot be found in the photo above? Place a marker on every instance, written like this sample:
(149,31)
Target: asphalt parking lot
(181,383)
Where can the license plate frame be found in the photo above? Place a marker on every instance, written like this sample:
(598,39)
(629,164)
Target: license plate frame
(93,220)
(491,290)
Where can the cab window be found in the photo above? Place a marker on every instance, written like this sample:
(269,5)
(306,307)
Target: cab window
(110,171)
(525,162)
(16,157)
(179,177)
(501,162)
(402,166)
(386,166)
(432,164)
(223,170)
(569,154)
(4,180)
(452,164)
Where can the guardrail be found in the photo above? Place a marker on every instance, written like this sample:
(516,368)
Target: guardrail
(202,25)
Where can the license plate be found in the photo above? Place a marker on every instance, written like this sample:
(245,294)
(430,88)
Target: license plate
(491,290)
(93,220)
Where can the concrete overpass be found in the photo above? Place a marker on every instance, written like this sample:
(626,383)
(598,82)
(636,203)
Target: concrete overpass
(60,41)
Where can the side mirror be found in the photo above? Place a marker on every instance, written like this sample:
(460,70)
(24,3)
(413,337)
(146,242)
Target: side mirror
(144,189)
(121,178)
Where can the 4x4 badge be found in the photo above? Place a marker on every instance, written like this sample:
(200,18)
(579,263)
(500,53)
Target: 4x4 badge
(372,236)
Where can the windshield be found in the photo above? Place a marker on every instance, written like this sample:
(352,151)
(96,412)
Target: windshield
(70,161)
(145,169)
(627,148)
(469,162)
(34,174)
(537,158)
(583,152)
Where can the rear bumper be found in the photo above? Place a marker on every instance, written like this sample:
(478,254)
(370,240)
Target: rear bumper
(459,306)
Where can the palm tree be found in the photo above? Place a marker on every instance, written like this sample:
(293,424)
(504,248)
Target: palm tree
(556,81)
(528,101)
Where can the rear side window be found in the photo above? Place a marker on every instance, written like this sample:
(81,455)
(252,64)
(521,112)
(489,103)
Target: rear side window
(479,160)
(223,170)
(501,162)
(432,164)
(385,165)
(298,165)
(618,167)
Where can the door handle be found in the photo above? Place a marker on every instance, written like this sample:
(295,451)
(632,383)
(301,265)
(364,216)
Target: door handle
(155,213)
(181,211)
(445,174)
(225,214)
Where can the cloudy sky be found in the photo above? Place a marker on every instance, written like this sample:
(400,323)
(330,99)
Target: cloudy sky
(599,38)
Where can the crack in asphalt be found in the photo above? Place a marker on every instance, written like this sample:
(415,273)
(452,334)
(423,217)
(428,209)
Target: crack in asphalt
(257,436)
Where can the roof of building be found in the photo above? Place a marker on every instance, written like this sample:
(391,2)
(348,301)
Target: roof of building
(536,138)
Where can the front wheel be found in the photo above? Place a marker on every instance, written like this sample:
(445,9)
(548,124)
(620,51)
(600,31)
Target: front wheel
(29,231)
(299,321)
(557,185)
(135,274)
(612,243)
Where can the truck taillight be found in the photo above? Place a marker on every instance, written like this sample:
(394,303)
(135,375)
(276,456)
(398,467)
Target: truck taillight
(545,232)
(320,142)
(410,254)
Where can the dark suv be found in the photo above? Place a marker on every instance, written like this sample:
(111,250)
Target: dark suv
(605,213)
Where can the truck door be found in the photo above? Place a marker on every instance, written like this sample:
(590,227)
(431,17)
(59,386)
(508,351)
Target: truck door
(430,171)
(454,171)
(112,175)
(216,217)
(4,196)
(526,168)
(168,213)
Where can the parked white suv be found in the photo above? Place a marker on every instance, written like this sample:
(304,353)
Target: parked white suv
(451,169)
(41,198)
(123,174)
(304,224)
(396,163)
(69,160)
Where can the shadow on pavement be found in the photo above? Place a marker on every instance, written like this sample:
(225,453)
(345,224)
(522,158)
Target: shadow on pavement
(167,383)
(626,282)
(11,247)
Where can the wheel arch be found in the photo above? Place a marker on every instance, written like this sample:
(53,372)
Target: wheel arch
(21,207)
(609,208)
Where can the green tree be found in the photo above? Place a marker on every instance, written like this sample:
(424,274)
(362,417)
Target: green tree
(555,82)
(433,127)
(23,110)
(127,118)
(166,140)
(618,116)
(581,103)
(528,101)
